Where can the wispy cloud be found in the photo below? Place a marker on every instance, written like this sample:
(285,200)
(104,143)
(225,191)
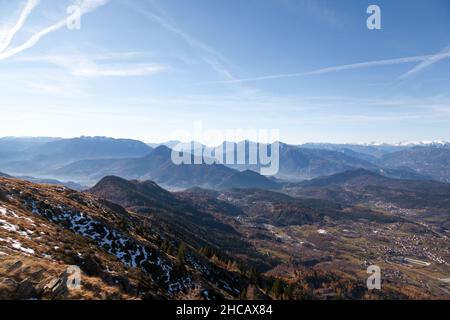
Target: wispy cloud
(210,56)
(28,8)
(426,60)
(286,108)
(107,65)
(85,6)
(444,54)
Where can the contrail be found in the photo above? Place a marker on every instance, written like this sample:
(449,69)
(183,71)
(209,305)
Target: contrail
(210,56)
(368,64)
(444,54)
(85,6)
(29,6)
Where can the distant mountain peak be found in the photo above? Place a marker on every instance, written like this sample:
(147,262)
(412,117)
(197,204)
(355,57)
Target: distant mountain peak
(4,175)
(162,149)
(111,179)
(248,179)
(132,193)
(118,181)
(343,178)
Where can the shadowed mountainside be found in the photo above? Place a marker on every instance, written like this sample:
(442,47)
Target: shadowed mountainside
(362,185)
(430,161)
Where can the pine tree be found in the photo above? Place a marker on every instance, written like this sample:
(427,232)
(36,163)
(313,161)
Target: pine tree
(164,246)
(290,292)
(254,276)
(181,254)
(243,295)
(170,249)
(242,269)
(277,289)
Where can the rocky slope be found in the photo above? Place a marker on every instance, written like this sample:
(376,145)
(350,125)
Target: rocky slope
(46,229)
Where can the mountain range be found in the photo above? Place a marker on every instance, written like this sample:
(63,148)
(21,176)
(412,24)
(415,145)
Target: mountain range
(368,185)
(430,161)
(86,160)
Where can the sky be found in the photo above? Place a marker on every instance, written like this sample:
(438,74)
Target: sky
(155,70)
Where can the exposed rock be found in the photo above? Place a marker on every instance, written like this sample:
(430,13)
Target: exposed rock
(25,289)
(8,284)
(15,266)
(57,287)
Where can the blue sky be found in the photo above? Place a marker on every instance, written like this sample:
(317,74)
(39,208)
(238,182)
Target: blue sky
(143,69)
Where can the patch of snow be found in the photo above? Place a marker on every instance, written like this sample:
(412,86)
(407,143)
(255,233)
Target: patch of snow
(128,251)
(14,228)
(18,246)
(5,212)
